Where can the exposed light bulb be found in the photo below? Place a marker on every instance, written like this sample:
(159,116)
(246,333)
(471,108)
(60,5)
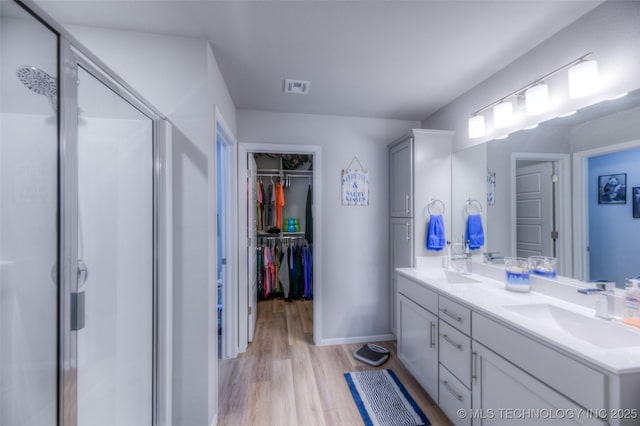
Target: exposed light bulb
(476,127)
(503,115)
(537,99)
(583,79)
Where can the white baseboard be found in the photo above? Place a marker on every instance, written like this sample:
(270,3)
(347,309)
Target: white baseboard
(358,339)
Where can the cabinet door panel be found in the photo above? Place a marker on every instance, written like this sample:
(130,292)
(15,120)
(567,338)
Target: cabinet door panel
(507,394)
(401,171)
(401,257)
(418,343)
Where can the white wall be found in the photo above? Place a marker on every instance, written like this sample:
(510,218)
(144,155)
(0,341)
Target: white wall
(180,77)
(611,31)
(355,250)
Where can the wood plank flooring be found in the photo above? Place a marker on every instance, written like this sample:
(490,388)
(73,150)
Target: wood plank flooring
(283,379)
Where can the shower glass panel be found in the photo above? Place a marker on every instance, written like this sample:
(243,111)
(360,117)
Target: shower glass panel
(28,220)
(115,247)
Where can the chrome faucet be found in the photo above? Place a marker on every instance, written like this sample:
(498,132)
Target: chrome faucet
(605,307)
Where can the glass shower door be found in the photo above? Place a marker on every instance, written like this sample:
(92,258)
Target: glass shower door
(115,229)
(28,219)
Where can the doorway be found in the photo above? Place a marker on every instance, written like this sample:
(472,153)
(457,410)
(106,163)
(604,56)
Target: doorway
(248,281)
(537,233)
(226,275)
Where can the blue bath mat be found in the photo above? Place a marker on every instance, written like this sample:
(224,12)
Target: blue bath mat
(382,400)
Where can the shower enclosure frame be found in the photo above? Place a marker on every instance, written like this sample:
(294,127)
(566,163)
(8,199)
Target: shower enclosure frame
(72,55)
(71,59)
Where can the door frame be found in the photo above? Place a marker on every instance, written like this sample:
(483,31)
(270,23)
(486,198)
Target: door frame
(249,148)
(563,205)
(230,291)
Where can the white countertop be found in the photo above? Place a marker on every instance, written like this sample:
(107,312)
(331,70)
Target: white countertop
(490,298)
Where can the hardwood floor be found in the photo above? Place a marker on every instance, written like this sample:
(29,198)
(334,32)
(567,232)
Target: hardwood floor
(283,379)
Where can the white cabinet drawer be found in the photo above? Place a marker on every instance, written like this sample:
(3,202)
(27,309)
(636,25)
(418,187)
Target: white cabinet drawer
(455,352)
(453,398)
(418,293)
(455,314)
(566,375)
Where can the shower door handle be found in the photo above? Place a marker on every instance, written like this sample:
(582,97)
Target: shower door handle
(77,311)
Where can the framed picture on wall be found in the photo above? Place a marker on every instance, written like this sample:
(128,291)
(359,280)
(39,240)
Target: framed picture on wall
(612,189)
(636,202)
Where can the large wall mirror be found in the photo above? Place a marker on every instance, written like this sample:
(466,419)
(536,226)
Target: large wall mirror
(570,189)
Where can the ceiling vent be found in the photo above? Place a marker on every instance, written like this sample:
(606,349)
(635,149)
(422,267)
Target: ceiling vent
(299,87)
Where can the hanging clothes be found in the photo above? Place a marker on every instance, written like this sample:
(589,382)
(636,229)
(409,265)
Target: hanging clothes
(267,217)
(279,204)
(307,271)
(308,217)
(259,204)
(284,272)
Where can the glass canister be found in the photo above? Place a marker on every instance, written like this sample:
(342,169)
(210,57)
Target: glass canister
(543,266)
(517,274)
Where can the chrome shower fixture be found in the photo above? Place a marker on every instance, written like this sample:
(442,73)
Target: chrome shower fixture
(39,82)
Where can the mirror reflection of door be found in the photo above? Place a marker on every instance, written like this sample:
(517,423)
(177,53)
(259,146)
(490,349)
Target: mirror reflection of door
(535,209)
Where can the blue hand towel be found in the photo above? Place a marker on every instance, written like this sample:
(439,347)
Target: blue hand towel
(474,234)
(435,233)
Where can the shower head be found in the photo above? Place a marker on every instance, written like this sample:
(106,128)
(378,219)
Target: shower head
(39,82)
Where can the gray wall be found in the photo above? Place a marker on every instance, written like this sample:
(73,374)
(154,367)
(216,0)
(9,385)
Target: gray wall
(355,249)
(611,31)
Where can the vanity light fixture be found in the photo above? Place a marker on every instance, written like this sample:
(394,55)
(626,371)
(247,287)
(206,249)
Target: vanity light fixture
(503,115)
(476,126)
(537,99)
(583,80)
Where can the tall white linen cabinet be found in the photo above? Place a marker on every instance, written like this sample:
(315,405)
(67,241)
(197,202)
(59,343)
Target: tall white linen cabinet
(420,171)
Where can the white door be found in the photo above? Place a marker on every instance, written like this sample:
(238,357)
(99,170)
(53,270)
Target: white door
(252,222)
(534,210)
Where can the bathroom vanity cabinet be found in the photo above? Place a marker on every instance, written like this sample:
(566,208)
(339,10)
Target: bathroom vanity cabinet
(496,372)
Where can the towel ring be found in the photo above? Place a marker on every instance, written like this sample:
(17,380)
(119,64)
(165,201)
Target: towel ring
(433,203)
(470,204)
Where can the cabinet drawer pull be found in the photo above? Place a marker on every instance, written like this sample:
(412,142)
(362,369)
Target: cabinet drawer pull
(450,315)
(450,389)
(474,366)
(432,340)
(406,203)
(408,236)
(458,346)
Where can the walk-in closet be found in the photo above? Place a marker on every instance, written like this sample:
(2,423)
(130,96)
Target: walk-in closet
(280,236)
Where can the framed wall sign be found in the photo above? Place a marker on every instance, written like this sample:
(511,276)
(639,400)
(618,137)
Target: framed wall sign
(355,185)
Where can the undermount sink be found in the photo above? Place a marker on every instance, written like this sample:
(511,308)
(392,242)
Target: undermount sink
(591,330)
(453,277)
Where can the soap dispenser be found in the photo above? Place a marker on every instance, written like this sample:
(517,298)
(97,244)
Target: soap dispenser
(631,311)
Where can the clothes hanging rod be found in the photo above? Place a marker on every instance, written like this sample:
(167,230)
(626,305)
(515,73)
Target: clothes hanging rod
(285,171)
(267,175)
